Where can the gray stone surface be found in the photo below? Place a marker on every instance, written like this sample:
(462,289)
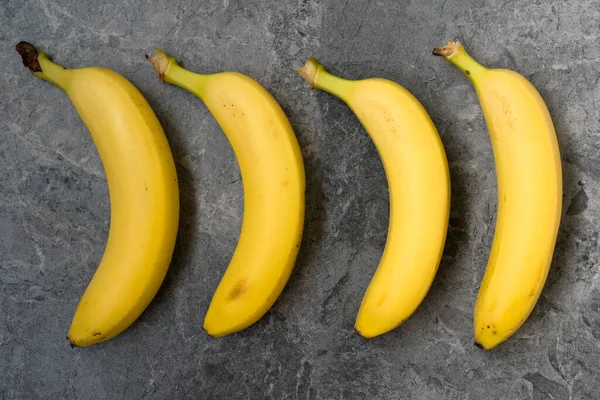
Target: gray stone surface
(54,208)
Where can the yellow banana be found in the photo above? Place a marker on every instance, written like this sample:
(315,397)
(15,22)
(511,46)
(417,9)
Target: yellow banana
(144,196)
(273,180)
(529,177)
(417,172)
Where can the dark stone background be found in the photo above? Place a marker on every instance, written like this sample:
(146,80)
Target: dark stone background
(54,208)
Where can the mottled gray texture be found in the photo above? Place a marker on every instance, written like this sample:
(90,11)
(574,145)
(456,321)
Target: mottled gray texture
(54,208)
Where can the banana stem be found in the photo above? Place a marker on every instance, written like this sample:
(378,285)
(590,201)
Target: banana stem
(170,71)
(318,77)
(42,67)
(455,53)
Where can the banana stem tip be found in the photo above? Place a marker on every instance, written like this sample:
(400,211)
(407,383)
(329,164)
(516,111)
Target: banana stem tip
(448,50)
(309,71)
(160,62)
(29,56)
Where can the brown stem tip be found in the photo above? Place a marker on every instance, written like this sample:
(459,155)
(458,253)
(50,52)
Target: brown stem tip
(309,71)
(447,50)
(160,62)
(29,55)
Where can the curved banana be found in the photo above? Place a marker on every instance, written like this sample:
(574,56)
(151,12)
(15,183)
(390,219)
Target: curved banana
(529,177)
(419,184)
(144,195)
(273,180)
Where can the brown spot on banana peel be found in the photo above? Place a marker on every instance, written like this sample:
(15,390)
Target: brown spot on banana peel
(99,339)
(401,322)
(29,56)
(240,288)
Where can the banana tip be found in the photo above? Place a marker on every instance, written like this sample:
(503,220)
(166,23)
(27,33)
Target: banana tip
(309,71)
(71,343)
(448,50)
(479,345)
(160,62)
(209,331)
(29,56)
(365,333)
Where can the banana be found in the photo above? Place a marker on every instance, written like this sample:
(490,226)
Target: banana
(144,196)
(273,181)
(529,178)
(417,173)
